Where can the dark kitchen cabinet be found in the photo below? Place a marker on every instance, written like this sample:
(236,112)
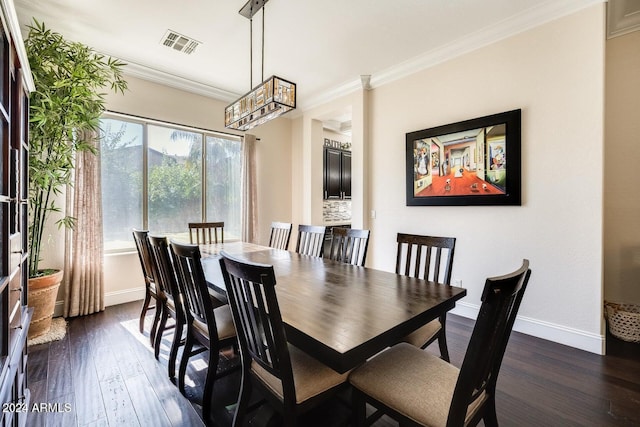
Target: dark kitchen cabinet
(337,174)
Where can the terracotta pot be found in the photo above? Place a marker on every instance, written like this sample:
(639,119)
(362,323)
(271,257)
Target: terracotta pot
(42,297)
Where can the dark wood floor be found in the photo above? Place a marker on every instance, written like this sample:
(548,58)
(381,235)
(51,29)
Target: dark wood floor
(105,373)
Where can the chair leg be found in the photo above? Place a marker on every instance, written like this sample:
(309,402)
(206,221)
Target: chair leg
(186,354)
(173,354)
(289,418)
(243,398)
(145,308)
(359,408)
(442,339)
(214,358)
(159,331)
(490,417)
(154,327)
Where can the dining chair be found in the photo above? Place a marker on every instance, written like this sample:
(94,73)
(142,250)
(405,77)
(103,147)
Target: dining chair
(349,245)
(290,379)
(210,328)
(428,258)
(170,299)
(417,388)
(280,235)
(311,240)
(150,289)
(206,233)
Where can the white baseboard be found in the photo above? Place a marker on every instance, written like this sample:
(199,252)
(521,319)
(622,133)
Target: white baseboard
(582,340)
(121,297)
(58,310)
(110,298)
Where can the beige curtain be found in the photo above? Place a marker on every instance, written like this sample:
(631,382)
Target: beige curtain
(84,277)
(249,192)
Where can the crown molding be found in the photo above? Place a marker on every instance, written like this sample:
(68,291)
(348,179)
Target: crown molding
(177,82)
(531,18)
(329,95)
(623,17)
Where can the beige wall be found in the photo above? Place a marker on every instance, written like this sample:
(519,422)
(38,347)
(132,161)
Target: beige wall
(621,183)
(123,279)
(555,74)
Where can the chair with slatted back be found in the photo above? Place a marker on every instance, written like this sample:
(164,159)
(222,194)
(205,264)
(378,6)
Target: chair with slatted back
(349,245)
(205,233)
(208,327)
(428,258)
(290,379)
(311,240)
(418,389)
(171,300)
(151,291)
(280,235)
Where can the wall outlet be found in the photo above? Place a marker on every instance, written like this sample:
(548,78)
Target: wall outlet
(373,214)
(457,282)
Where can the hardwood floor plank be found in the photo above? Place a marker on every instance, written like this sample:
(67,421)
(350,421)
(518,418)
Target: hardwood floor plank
(102,422)
(59,349)
(38,362)
(59,379)
(88,398)
(146,403)
(117,402)
(110,365)
(38,394)
(64,415)
(180,411)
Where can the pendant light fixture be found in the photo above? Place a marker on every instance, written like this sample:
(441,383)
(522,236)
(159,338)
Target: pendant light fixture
(272,98)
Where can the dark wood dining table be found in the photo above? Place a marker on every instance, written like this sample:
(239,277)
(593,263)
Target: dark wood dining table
(339,313)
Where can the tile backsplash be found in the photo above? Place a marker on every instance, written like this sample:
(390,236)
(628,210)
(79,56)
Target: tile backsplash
(336,210)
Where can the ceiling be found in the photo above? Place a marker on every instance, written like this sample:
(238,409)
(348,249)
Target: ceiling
(323,46)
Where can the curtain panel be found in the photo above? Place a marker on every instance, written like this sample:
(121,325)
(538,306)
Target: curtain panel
(249,192)
(84,253)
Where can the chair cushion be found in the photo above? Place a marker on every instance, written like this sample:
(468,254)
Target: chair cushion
(412,382)
(202,332)
(224,322)
(420,336)
(310,376)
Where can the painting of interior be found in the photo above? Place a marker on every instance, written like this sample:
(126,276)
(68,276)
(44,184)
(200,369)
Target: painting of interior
(467,165)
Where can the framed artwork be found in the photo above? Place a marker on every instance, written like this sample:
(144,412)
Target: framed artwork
(473,162)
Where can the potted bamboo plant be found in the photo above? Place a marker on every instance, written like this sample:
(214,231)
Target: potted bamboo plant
(70,78)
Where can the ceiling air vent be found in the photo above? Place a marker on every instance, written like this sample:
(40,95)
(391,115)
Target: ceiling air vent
(179,42)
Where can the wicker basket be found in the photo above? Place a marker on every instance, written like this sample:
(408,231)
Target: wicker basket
(624,321)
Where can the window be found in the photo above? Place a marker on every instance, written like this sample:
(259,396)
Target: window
(161,176)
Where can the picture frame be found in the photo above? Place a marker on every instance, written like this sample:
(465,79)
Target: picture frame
(472,162)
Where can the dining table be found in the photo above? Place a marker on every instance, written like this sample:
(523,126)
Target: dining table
(339,313)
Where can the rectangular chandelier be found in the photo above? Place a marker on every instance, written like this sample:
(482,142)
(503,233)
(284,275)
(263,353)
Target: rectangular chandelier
(270,99)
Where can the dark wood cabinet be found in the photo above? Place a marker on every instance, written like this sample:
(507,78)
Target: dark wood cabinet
(14,314)
(337,174)
(346,174)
